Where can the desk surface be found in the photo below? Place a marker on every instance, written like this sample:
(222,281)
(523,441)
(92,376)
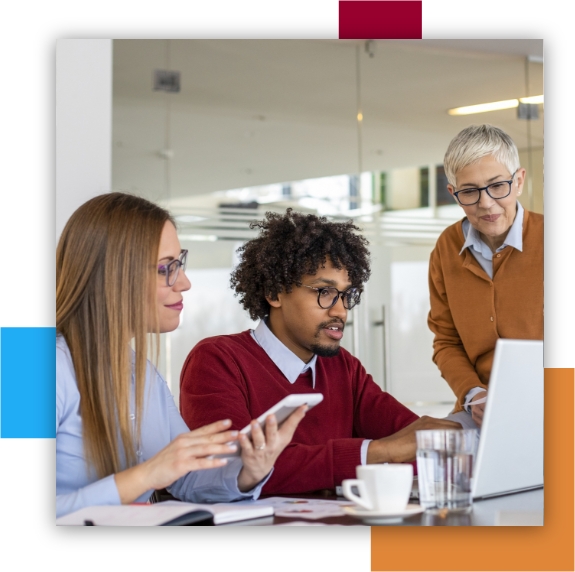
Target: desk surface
(520,509)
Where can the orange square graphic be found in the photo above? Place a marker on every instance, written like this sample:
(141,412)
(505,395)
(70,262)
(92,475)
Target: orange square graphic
(549,547)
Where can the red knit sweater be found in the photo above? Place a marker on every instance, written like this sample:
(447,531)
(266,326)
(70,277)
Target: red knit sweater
(233,377)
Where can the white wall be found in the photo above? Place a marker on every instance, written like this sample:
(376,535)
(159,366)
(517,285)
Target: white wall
(83,124)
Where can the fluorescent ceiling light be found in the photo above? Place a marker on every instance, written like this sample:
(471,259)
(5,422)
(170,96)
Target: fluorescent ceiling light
(494,106)
(534,99)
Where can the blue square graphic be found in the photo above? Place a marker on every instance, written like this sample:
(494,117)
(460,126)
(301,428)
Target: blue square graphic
(28,383)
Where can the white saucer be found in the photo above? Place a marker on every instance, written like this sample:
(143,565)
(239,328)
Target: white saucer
(378,517)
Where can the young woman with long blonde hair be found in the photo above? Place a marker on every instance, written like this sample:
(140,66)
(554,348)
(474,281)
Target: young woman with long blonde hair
(119,277)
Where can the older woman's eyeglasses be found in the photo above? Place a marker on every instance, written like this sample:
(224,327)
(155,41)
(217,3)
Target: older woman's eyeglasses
(498,190)
(327,297)
(169,272)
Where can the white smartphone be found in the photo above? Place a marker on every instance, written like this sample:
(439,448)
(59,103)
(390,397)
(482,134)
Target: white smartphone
(282,410)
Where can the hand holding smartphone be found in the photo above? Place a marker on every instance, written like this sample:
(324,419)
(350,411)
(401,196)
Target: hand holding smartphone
(282,410)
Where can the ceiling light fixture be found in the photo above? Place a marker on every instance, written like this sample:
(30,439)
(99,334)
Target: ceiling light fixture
(494,106)
(534,99)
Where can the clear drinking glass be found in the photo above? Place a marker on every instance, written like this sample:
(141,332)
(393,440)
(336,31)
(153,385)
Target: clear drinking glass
(445,468)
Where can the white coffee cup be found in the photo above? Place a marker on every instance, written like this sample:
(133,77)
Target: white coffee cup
(382,488)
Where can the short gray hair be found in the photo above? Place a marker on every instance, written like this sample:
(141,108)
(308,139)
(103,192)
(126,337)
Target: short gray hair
(476,142)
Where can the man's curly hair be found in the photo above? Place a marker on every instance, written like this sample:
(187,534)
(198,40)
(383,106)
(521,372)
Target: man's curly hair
(290,246)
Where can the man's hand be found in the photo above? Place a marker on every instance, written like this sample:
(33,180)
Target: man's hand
(261,451)
(477,411)
(401,446)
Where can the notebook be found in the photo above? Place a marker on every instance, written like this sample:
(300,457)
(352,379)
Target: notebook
(168,513)
(510,452)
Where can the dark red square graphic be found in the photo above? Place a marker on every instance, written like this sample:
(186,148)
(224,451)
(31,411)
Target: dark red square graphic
(380,19)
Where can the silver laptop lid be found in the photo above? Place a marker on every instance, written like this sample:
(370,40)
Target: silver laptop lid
(510,453)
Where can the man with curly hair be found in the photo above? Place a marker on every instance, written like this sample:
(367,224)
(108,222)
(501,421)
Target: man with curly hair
(300,277)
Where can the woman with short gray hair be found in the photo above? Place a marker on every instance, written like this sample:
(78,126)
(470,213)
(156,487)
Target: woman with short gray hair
(486,271)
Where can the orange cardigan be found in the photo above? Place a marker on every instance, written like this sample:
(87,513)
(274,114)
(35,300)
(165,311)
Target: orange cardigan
(470,312)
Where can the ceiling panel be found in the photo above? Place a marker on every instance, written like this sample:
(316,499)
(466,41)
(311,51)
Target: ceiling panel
(253,112)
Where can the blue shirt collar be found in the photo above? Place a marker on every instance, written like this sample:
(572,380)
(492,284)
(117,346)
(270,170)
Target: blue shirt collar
(287,362)
(514,237)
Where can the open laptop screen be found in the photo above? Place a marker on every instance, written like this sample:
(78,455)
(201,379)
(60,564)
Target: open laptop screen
(510,453)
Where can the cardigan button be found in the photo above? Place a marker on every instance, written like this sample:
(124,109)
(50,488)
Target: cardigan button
(492,318)
(499,256)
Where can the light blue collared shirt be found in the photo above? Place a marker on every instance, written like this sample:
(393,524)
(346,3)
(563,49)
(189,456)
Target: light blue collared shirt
(482,252)
(290,365)
(77,487)
(287,362)
(484,256)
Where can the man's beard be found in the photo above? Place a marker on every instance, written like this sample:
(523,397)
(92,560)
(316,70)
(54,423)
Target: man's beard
(324,351)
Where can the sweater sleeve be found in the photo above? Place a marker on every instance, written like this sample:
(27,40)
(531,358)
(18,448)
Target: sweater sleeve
(448,352)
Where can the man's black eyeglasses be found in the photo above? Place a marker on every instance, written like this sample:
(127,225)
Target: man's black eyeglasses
(327,296)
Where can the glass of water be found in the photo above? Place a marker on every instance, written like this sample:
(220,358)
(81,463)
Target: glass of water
(445,468)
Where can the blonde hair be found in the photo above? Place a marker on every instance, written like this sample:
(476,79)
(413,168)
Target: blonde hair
(476,142)
(105,292)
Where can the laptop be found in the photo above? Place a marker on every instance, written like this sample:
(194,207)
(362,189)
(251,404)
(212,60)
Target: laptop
(510,454)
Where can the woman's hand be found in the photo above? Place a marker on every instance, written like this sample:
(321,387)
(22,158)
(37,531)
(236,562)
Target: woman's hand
(260,453)
(477,411)
(187,452)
